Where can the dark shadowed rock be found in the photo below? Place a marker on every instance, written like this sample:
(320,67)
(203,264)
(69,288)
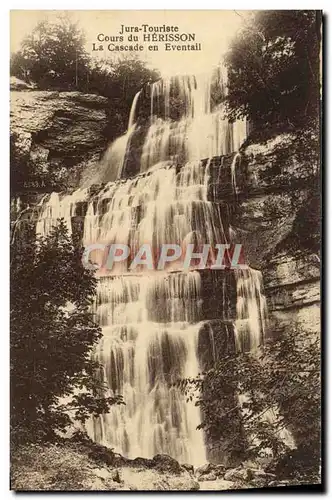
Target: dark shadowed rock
(166,463)
(115,476)
(277,218)
(189,468)
(238,474)
(203,469)
(102,456)
(210,472)
(60,132)
(142,462)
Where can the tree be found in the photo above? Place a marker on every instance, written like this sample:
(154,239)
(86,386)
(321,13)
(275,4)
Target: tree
(274,68)
(120,79)
(52,334)
(53,56)
(274,394)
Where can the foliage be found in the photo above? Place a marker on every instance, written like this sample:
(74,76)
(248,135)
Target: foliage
(273,394)
(120,79)
(52,334)
(273,68)
(124,76)
(53,56)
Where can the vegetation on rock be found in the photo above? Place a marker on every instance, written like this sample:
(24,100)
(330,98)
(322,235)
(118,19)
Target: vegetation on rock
(274,68)
(80,464)
(273,394)
(54,57)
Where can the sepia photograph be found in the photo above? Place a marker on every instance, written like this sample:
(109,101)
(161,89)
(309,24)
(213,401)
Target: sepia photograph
(165,250)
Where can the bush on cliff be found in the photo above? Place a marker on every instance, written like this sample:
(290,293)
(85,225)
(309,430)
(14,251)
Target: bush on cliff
(266,401)
(53,56)
(52,334)
(274,68)
(120,79)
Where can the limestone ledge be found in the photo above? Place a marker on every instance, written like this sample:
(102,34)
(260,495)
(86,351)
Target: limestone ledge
(283,162)
(53,132)
(287,268)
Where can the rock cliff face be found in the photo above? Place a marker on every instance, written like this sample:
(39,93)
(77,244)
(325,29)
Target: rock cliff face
(55,135)
(277,218)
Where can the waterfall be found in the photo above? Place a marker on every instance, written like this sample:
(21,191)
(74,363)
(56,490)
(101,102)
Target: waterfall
(201,132)
(164,207)
(144,350)
(132,114)
(59,207)
(251,310)
(152,320)
(113,161)
(234,164)
(197,131)
(252,314)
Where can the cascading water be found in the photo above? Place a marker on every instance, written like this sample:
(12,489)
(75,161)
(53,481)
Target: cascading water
(59,207)
(251,310)
(250,326)
(201,132)
(145,348)
(151,321)
(164,207)
(114,158)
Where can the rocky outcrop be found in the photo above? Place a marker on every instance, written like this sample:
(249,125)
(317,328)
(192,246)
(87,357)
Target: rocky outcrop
(68,466)
(248,475)
(17,84)
(54,135)
(78,465)
(292,284)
